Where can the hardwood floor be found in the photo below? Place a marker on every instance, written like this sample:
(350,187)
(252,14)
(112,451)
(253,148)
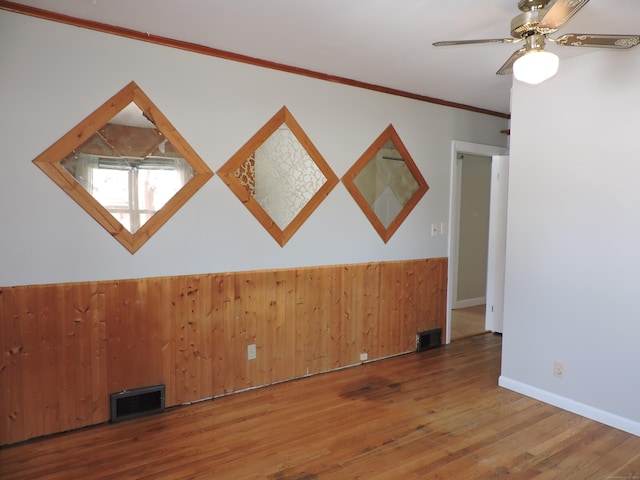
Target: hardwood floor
(466,322)
(436,414)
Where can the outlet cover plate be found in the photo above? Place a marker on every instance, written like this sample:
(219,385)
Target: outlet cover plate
(251,352)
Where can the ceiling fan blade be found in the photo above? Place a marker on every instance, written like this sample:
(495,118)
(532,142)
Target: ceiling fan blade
(604,41)
(560,12)
(507,68)
(472,42)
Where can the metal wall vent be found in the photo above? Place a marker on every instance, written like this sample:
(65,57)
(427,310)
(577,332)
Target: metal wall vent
(137,403)
(428,339)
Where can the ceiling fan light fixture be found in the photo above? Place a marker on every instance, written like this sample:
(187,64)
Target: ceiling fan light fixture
(536,66)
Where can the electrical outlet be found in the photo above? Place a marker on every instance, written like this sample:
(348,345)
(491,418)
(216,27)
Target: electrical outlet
(251,352)
(434,229)
(558,369)
(364,356)
(443,228)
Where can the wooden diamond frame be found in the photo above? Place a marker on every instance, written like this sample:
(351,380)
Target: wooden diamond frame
(385,232)
(50,163)
(227,174)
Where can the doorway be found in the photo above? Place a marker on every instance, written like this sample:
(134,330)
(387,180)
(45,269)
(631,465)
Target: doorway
(468,321)
(472,185)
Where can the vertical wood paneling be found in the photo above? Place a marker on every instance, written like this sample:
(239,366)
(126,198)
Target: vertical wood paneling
(15,376)
(266,327)
(193,365)
(285,344)
(161,297)
(333,283)
(67,357)
(188,359)
(351,321)
(149,315)
(409,320)
(49,325)
(180,323)
(315,347)
(240,334)
(326,310)
(440,298)
(431,293)
(370,313)
(5,371)
(204,316)
(306,299)
(223,341)
(66,347)
(143,326)
(83,293)
(99,360)
(117,332)
(391,306)
(425,312)
(32,362)
(361,286)
(251,285)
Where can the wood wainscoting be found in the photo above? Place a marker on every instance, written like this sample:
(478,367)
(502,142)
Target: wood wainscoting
(66,347)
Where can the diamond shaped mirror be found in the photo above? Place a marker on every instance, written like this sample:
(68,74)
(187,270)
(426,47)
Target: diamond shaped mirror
(127,166)
(386,183)
(280,176)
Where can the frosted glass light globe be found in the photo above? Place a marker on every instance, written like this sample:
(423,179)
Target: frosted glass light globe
(536,66)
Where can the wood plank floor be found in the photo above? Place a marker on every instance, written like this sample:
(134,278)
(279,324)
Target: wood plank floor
(466,322)
(438,414)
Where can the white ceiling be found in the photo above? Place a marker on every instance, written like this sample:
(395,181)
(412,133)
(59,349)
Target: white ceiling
(382,42)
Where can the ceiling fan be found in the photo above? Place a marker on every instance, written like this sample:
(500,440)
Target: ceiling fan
(539,18)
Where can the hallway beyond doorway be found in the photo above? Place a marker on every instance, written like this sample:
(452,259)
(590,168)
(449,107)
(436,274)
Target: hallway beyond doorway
(467,322)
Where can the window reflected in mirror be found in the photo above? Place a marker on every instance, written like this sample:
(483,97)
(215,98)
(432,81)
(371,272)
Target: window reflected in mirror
(386,183)
(130,169)
(280,176)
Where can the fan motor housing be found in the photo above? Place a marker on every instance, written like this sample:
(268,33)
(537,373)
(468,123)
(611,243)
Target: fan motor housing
(527,23)
(529,5)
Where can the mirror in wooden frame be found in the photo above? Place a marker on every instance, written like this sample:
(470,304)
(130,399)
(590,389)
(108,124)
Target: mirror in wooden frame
(386,183)
(280,176)
(127,166)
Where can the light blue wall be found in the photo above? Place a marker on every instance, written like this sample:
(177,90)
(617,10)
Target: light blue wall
(573,239)
(54,75)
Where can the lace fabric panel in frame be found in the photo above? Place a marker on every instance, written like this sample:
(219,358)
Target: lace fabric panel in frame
(286,177)
(279,176)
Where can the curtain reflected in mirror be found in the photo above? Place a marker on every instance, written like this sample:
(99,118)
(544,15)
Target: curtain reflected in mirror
(135,170)
(386,183)
(129,167)
(280,176)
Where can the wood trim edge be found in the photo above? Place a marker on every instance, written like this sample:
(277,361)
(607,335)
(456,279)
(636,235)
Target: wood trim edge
(214,52)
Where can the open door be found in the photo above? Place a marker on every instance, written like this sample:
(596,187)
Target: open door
(454,218)
(497,242)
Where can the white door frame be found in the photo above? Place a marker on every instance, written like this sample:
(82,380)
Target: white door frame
(497,242)
(454,213)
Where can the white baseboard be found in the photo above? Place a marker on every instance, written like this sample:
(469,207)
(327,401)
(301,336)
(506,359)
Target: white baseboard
(469,302)
(615,421)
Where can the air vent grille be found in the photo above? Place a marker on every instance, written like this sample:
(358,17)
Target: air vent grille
(135,403)
(428,339)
